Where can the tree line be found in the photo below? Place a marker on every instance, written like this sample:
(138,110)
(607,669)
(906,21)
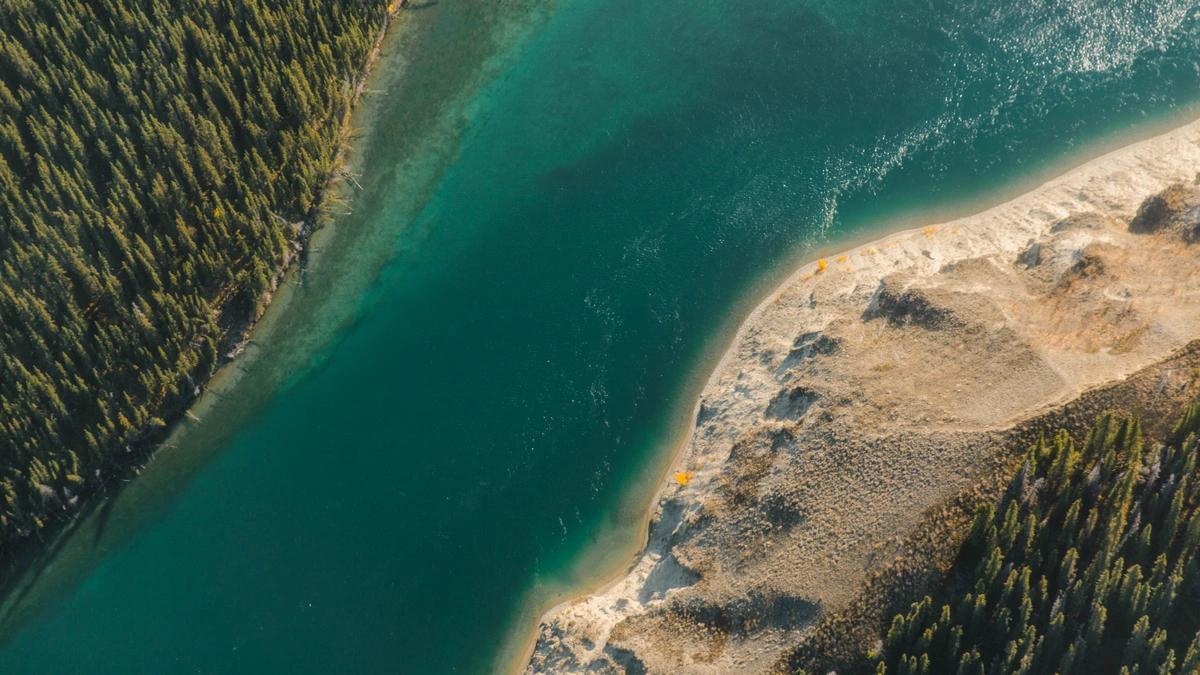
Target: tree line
(158,160)
(1088,564)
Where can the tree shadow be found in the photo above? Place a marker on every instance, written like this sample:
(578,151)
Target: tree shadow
(27,566)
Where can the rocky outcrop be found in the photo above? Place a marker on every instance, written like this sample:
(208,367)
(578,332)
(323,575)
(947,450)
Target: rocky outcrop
(1175,209)
(870,389)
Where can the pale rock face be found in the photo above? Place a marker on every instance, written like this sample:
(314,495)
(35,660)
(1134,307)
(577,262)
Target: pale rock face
(865,390)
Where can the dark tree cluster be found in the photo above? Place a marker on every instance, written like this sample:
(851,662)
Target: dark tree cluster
(157,159)
(1087,565)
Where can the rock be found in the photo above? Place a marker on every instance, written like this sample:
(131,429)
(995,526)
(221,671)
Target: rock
(792,404)
(903,306)
(1176,209)
(1031,256)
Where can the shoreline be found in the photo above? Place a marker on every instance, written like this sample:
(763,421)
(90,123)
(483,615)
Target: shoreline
(333,191)
(807,264)
(19,562)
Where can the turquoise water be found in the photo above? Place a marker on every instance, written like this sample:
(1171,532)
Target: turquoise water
(454,414)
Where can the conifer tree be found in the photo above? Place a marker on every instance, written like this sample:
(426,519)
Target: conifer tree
(155,158)
(1096,571)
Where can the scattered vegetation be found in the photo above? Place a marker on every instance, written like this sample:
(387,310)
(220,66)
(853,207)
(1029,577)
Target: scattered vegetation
(1088,564)
(158,160)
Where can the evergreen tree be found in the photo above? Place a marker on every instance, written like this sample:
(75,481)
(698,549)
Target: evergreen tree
(156,158)
(1097,571)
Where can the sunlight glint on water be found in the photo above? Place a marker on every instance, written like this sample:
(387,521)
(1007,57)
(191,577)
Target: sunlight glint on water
(563,208)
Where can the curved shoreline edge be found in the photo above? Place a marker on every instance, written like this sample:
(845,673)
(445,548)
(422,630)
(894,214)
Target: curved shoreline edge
(1142,168)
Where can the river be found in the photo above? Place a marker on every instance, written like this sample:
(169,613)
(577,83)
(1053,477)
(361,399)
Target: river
(457,412)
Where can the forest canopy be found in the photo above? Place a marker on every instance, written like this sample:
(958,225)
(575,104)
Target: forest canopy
(158,161)
(1088,564)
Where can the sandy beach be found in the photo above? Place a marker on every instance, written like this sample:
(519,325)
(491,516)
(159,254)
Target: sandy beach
(861,392)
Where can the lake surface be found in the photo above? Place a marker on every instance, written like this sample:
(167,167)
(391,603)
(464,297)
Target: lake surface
(460,409)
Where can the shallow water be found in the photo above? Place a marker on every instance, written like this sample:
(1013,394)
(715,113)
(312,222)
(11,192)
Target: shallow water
(563,208)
